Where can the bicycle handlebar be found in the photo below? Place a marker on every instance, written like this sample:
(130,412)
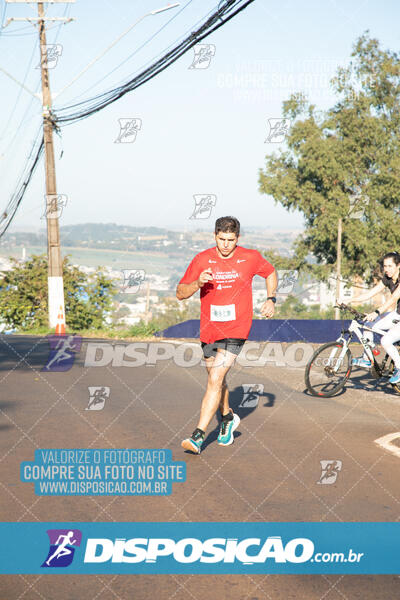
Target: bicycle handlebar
(359,316)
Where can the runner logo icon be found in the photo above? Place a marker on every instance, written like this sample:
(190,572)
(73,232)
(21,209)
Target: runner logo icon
(128,129)
(203,205)
(286,281)
(50,54)
(132,280)
(55,203)
(330,470)
(278,130)
(62,547)
(251,394)
(203,54)
(62,352)
(97,397)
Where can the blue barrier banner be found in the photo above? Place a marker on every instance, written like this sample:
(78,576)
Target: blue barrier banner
(200,548)
(274,330)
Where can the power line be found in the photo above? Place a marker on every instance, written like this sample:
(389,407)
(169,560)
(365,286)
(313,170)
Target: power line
(5,153)
(31,163)
(19,29)
(137,50)
(225,12)
(19,92)
(8,214)
(222,15)
(3,16)
(167,48)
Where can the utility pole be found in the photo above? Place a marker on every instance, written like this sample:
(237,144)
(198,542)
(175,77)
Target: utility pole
(147,313)
(338,264)
(55,275)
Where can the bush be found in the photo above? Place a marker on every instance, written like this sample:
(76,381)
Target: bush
(24,296)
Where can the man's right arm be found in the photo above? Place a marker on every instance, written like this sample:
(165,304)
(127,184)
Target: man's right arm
(185,290)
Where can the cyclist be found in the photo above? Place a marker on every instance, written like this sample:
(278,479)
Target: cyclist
(390,280)
(224,276)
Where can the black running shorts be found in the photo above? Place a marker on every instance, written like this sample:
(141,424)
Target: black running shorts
(233,345)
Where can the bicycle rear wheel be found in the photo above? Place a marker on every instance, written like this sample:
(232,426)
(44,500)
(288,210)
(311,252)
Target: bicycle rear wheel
(326,373)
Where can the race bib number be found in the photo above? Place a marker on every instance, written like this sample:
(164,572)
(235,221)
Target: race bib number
(223,313)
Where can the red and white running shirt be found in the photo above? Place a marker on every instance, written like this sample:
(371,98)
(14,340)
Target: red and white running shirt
(227,300)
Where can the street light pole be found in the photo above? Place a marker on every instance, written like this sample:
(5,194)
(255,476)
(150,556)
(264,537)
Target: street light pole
(92,62)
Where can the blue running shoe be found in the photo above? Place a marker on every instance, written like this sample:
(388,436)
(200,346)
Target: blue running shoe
(227,428)
(395,378)
(361,362)
(193,444)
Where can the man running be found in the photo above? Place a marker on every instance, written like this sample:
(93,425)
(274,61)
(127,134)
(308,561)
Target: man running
(224,276)
(390,280)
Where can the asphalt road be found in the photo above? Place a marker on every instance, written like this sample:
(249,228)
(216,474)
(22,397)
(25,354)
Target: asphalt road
(270,473)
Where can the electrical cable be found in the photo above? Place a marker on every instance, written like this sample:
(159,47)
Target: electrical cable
(26,175)
(136,51)
(8,214)
(88,107)
(3,16)
(5,153)
(225,12)
(19,92)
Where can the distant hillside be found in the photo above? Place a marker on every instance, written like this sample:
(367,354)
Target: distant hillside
(107,232)
(96,235)
(151,241)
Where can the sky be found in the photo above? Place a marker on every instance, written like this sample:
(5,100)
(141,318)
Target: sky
(202,131)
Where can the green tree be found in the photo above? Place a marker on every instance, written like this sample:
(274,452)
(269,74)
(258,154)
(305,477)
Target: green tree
(23,296)
(294,308)
(348,155)
(176,311)
(279,261)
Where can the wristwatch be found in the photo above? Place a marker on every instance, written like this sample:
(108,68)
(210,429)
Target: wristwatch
(273,298)
(377,311)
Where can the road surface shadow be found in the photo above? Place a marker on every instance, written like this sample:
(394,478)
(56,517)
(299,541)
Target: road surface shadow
(23,352)
(8,405)
(243,404)
(5,426)
(361,379)
(364,380)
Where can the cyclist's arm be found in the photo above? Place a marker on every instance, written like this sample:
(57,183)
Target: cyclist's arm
(388,305)
(379,287)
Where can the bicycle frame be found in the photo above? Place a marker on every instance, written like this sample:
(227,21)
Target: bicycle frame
(355,329)
(340,356)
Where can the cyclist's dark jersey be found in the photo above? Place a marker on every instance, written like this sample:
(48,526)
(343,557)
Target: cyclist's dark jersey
(389,283)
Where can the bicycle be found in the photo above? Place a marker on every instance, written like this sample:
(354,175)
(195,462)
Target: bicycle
(330,366)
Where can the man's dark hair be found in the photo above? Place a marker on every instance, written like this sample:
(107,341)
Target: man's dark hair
(395,256)
(227,225)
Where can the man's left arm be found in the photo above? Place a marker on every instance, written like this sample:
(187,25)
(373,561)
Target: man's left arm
(268,308)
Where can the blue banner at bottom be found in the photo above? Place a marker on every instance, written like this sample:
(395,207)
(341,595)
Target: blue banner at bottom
(200,548)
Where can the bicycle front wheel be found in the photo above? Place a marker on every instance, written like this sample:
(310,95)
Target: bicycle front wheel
(328,370)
